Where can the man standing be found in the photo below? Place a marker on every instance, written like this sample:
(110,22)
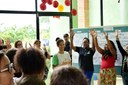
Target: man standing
(67,46)
(85,55)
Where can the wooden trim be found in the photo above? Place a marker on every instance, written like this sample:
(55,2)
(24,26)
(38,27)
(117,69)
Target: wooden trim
(86,5)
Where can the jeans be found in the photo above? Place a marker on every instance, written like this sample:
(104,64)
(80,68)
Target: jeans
(125,78)
(88,75)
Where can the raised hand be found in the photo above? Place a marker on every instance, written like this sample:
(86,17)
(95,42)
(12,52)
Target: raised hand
(92,31)
(72,34)
(8,43)
(116,33)
(105,35)
(95,34)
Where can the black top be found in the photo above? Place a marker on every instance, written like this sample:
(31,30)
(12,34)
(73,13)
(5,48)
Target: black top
(124,55)
(67,46)
(85,58)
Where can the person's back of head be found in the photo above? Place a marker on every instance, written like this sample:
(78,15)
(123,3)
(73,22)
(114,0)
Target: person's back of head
(67,75)
(11,53)
(32,80)
(30,61)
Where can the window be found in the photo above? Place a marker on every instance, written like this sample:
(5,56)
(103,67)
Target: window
(17,5)
(52,27)
(50,8)
(18,27)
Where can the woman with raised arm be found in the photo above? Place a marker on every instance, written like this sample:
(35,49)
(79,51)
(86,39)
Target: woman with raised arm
(85,55)
(107,75)
(124,53)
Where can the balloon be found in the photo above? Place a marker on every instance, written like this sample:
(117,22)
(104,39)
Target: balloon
(44,1)
(74,12)
(42,6)
(67,2)
(60,8)
(55,4)
(49,2)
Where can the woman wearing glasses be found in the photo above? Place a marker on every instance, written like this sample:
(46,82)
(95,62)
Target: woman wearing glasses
(6,70)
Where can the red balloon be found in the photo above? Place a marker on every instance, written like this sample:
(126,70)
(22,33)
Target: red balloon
(74,12)
(67,2)
(49,2)
(42,6)
(55,4)
(44,1)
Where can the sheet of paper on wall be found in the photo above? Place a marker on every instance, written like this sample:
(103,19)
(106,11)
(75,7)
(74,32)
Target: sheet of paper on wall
(108,28)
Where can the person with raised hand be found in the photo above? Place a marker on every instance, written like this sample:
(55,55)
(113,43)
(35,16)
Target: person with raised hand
(85,54)
(124,53)
(107,75)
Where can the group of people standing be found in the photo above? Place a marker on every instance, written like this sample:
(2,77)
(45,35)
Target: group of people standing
(20,66)
(30,63)
(107,75)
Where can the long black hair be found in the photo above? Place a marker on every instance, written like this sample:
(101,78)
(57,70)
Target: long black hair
(107,52)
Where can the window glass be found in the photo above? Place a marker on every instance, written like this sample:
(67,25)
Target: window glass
(18,27)
(111,12)
(20,5)
(94,13)
(52,27)
(49,8)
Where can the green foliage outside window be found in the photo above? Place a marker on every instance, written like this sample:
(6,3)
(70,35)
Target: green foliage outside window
(25,34)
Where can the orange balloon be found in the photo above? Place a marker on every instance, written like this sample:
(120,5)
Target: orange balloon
(60,8)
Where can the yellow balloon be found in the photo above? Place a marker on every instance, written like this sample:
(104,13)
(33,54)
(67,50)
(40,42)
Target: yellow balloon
(60,8)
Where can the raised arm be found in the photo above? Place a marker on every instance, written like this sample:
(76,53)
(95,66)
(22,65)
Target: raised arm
(71,39)
(122,51)
(110,46)
(92,31)
(99,49)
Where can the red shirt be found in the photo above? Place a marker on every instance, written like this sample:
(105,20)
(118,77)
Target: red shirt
(108,63)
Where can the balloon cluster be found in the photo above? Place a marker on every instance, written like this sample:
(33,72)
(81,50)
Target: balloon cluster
(57,5)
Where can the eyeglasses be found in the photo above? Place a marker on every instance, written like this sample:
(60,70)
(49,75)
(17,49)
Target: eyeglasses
(9,68)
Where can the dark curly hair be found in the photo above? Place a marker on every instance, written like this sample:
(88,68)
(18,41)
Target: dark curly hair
(67,75)
(29,61)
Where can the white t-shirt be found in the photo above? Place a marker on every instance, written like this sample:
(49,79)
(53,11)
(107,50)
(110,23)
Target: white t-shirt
(63,57)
